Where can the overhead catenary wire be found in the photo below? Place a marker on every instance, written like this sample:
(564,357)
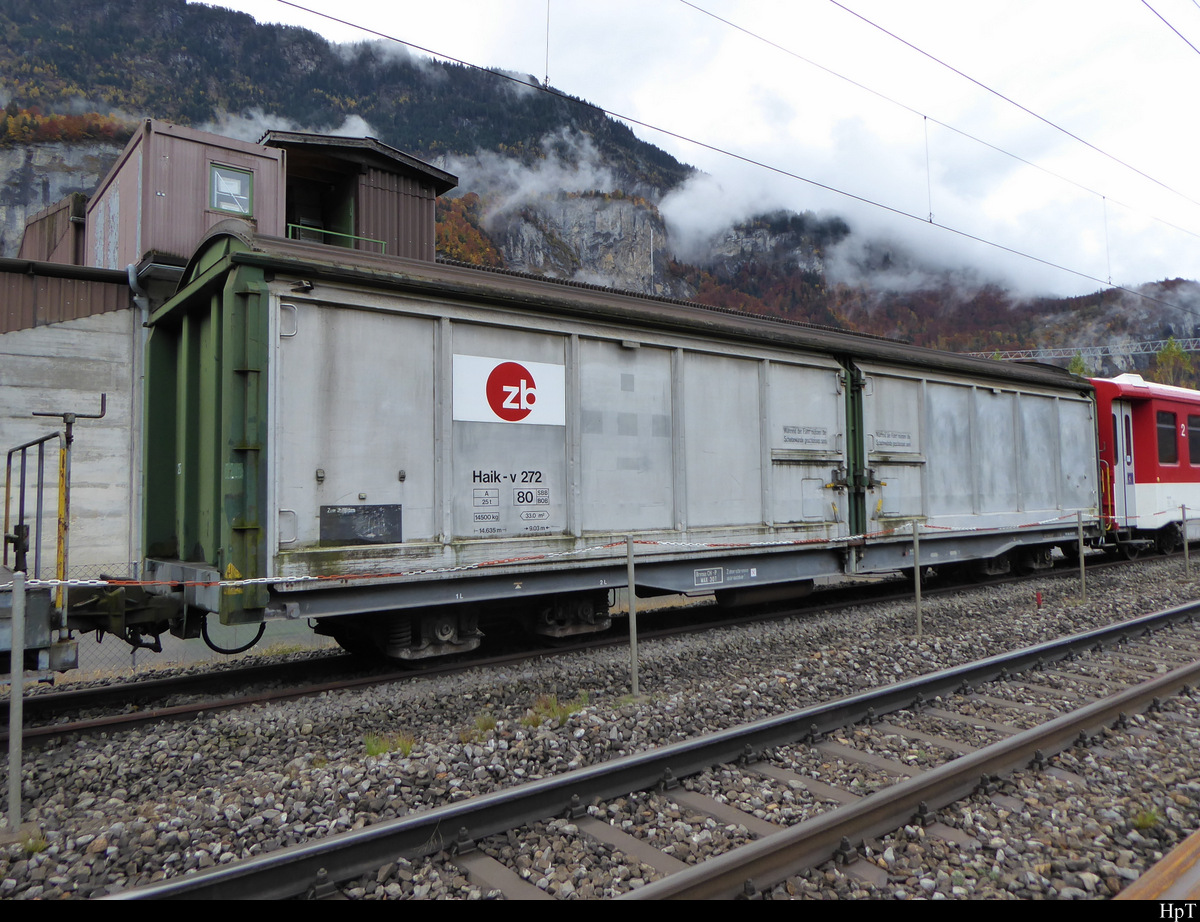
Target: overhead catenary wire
(1012,102)
(929,118)
(742,158)
(1147,5)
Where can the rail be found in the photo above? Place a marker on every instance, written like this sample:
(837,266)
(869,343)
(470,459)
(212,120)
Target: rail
(312,866)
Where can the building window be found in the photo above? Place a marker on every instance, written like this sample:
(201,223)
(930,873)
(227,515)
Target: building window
(1168,441)
(231,190)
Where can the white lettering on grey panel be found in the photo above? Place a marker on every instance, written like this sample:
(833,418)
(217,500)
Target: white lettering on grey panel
(533,496)
(712,576)
(805,435)
(889,438)
(485,497)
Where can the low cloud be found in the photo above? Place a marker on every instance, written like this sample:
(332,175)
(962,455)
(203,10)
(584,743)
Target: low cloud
(702,209)
(382,53)
(571,164)
(252,125)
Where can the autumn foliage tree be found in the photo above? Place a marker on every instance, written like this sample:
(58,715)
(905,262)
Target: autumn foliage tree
(32,126)
(460,234)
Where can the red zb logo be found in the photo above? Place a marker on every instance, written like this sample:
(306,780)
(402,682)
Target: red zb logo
(510,391)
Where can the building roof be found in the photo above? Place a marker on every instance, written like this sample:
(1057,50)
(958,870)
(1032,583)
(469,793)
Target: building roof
(363,150)
(236,243)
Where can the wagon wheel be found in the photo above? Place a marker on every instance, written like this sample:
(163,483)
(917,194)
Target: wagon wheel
(1169,539)
(356,644)
(1130,550)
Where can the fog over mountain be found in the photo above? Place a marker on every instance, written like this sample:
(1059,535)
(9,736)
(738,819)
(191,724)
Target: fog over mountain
(548,184)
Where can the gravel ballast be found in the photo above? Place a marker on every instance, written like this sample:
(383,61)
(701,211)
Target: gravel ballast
(105,813)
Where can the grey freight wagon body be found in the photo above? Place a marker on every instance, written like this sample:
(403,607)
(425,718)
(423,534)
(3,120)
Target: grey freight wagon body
(386,445)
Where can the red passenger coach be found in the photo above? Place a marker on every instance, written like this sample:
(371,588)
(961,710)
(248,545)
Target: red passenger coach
(1150,461)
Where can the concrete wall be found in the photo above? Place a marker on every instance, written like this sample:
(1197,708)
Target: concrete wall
(66,367)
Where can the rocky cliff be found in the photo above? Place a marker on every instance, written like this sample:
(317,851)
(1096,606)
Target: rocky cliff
(602,239)
(34,176)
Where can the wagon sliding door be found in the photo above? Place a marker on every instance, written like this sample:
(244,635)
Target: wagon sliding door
(761,442)
(353,435)
(963,457)
(806,410)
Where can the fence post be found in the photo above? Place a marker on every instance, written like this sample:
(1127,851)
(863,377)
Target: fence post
(1082,569)
(16,702)
(632,597)
(1187,561)
(917,572)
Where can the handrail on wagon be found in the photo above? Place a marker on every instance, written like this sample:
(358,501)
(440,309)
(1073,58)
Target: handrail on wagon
(18,537)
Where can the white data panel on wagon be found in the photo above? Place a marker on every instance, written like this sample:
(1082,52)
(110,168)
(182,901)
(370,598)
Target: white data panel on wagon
(492,390)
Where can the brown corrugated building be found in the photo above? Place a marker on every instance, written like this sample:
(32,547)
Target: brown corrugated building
(91,269)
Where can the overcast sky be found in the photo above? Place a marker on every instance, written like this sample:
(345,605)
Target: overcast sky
(1110,72)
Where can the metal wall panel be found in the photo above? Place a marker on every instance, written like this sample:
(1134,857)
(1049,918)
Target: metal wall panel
(950,466)
(1039,453)
(508,478)
(36,294)
(893,437)
(1077,453)
(807,422)
(353,407)
(626,425)
(958,455)
(996,440)
(399,211)
(55,234)
(722,438)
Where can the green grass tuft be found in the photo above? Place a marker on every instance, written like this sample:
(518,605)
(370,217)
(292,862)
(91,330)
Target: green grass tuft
(547,707)
(378,744)
(1146,819)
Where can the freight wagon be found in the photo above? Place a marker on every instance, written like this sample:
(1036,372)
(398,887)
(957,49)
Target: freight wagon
(392,447)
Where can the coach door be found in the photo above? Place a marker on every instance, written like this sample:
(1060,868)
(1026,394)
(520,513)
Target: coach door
(1124,510)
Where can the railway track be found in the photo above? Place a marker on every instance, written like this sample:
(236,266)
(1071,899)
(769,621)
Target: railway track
(124,704)
(1024,706)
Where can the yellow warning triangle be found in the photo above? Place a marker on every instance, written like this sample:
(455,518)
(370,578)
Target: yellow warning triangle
(231,572)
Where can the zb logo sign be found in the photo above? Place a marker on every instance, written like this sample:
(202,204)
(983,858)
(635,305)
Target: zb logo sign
(511,391)
(500,390)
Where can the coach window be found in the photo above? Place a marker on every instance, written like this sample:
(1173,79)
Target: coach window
(1194,440)
(1168,441)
